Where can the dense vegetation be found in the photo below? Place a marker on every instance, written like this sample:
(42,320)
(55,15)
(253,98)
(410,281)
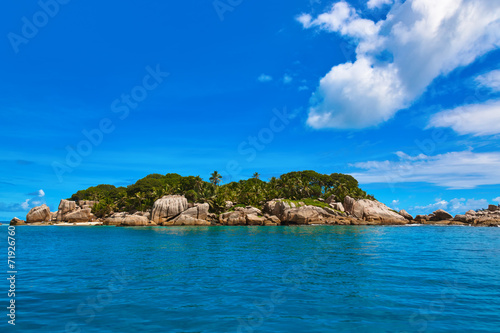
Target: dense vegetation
(303,185)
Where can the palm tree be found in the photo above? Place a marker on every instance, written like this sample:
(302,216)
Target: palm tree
(215,178)
(256,175)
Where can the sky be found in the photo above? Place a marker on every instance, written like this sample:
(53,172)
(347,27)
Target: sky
(403,95)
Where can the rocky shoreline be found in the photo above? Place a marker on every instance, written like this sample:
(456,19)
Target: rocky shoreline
(175,210)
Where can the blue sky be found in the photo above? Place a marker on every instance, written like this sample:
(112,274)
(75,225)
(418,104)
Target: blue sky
(403,95)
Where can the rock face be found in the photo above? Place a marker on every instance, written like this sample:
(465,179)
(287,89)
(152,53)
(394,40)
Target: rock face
(278,207)
(65,207)
(248,216)
(127,220)
(372,211)
(405,214)
(441,215)
(39,214)
(233,218)
(337,206)
(168,207)
(196,215)
(289,212)
(16,221)
(485,218)
(307,215)
(135,221)
(330,199)
(80,215)
(493,208)
(87,204)
(422,218)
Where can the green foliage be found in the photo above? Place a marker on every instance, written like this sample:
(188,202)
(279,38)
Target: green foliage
(304,186)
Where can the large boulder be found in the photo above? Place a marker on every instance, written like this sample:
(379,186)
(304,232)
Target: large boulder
(467,218)
(124,219)
(405,214)
(441,215)
(272,220)
(135,221)
(299,213)
(372,211)
(253,219)
(493,208)
(145,214)
(303,215)
(330,199)
(80,215)
(422,218)
(233,218)
(87,203)
(65,207)
(196,215)
(337,206)
(39,214)
(168,207)
(199,211)
(278,207)
(16,221)
(186,220)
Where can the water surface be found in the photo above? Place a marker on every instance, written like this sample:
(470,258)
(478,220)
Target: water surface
(256,279)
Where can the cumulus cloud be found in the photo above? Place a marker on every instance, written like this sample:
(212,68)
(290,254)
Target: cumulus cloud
(264,78)
(476,119)
(455,206)
(454,170)
(490,80)
(497,200)
(397,58)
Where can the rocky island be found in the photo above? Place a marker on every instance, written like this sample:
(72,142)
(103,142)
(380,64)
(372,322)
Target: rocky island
(298,198)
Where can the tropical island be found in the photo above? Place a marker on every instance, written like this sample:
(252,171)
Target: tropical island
(295,198)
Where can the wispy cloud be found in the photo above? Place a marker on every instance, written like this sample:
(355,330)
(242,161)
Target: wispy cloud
(490,80)
(455,206)
(287,79)
(397,58)
(378,3)
(475,119)
(265,78)
(454,170)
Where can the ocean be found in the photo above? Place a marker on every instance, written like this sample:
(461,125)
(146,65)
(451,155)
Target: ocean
(253,279)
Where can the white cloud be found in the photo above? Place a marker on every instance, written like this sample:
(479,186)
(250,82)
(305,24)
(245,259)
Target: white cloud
(287,79)
(41,193)
(455,206)
(419,41)
(378,3)
(438,204)
(476,119)
(490,80)
(455,170)
(302,88)
(264,78)
(497,200)
(395,204)
(25,205)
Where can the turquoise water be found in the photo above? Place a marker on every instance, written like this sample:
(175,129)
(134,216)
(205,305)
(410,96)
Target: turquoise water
(255,279)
